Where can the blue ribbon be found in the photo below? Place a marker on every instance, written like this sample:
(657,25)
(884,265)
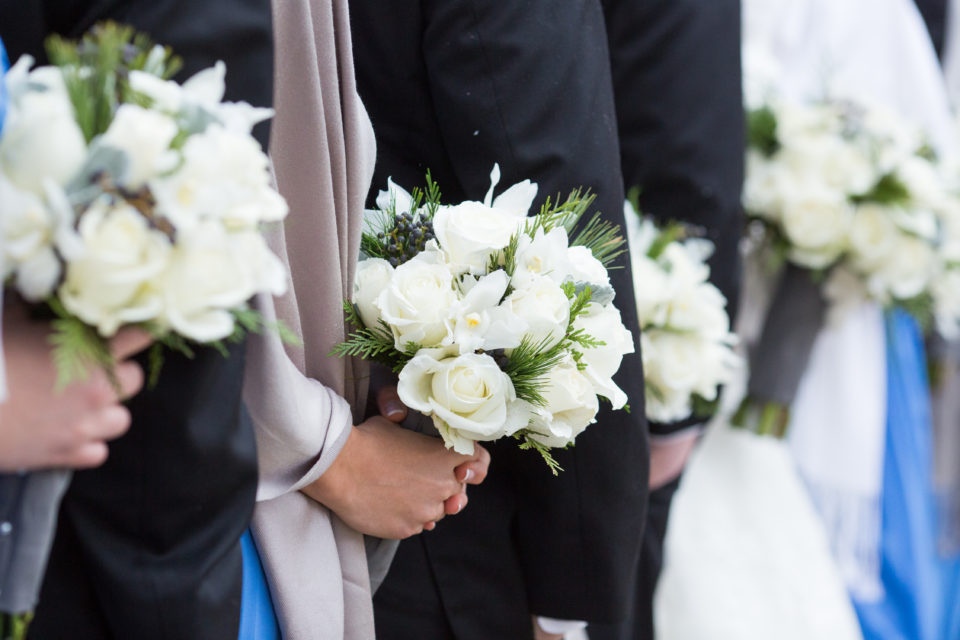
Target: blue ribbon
(4,65)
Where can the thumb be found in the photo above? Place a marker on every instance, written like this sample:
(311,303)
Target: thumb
(390,405)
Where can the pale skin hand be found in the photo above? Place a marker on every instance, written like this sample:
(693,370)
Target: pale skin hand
(667,459)
(393,483)
(41,427)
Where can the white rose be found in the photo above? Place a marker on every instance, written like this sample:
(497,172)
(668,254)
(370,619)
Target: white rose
(145,137)
(41,138)
(545,308)
(224,175)
(923,181)
(830,160)
(873,235)
(817,224)
(543,255)
(584,267)
(373,276)
(419,300)
(763,189)
(472,231)
(907,272)
(571,406)
(701,308)
(603,362)
(115,281)
(479,321)
(650,281)
(670,366)
(36,234)
(468,396)
(209,275)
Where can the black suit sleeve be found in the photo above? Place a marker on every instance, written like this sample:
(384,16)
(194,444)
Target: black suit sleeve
(526,83)
(677,83)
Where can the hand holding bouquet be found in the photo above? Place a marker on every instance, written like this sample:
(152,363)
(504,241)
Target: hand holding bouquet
(497,323)
(129,199)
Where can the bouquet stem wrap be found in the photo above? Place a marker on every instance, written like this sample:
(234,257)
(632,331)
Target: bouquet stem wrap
(778,361)
(34,500)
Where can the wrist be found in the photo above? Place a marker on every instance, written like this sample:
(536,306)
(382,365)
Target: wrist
(331,488)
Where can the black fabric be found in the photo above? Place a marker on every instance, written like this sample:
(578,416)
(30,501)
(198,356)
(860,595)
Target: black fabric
(677,83)
(148,544)
(454,86)
(934,14)
(639,625)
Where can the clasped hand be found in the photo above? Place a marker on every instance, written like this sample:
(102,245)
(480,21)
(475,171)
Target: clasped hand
(393,483)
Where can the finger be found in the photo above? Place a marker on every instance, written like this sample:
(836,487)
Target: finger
(455,504)
(129,342)
(430,526)
(87,456)
(129,377)
(475,471)
(108,423)
(391,408)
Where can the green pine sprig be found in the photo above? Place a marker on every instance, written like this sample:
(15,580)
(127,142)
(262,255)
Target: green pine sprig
(889,190)
(76,348)
(372,343)
(96,71)
(527,443)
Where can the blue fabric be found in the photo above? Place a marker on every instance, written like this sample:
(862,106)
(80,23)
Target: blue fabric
(916,593)
(4,65)
(258,620)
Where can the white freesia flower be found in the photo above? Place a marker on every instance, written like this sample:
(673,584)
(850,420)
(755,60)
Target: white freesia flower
(418,301)
(479,321)
(544,307)
(203,92)
(546,254)
(199,307)
(373,276)
(467,395)
(41,139)
(224,176)
(571,406)
(115,281)
(584,267)
(395,198)
(604,323)
(144,136)
(471,232)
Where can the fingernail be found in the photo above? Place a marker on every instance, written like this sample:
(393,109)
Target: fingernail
(394,409)
(468,475)
(460,506)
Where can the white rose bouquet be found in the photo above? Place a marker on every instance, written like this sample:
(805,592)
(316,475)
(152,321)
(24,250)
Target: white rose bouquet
(851,193)
(857,206)
(685,336)
(497,323)
(129,199)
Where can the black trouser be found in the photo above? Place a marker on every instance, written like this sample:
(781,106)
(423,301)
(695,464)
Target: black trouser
(639,625)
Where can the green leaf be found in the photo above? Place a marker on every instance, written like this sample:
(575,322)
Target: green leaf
(889,190)
(762,130)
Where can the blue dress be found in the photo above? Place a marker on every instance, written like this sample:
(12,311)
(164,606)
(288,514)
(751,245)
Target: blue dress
(920,585)
(258,620)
